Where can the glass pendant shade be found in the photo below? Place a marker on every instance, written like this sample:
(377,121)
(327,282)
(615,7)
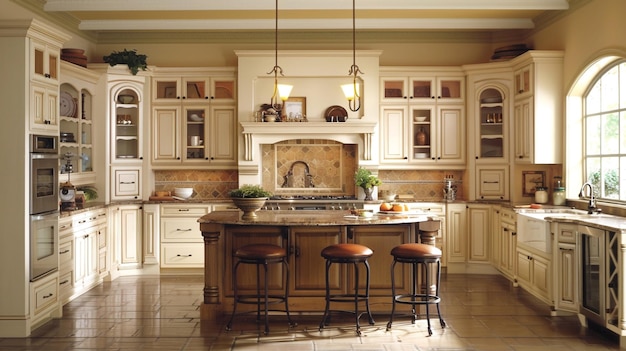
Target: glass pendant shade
(349,90)
(284,90)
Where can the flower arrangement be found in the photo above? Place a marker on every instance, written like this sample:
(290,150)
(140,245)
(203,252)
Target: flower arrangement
(249,191)
(133,60)
(364,178)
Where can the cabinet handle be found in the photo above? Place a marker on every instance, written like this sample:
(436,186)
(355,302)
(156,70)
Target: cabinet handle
(212,97)
(406,97)
(64,252)
(406,157)
(179,255)
(294,250)
(184,97)
(206,97)
(491,182)
(505,229)
(513,233)
(48,296)
(127,182)
(564,249)
(86,236)
(184,230)
(64,282)
(183,210)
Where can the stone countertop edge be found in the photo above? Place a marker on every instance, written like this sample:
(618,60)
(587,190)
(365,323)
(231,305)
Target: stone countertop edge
(310,218)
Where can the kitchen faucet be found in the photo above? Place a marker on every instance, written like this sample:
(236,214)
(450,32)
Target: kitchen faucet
(592,200)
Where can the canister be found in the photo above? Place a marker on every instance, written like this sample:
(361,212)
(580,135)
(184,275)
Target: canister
(541,194)
(558,196)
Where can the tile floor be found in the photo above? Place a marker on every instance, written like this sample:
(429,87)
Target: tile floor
(162,313)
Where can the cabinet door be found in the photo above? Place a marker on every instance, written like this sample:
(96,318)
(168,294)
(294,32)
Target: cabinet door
(126,124)
(382,240)
(524,128)
(456,241)
(166,134)
(45,62)
(44,102)
(479,225)
(223,136)
(129,221)
(237,237)
(307,265)
(424,133)
(492,182)
(195,123)
(524,81)
(524,267)
(223,90)
(393,135)
(394,89)
(423,89)
(450,89)
(566,280)
(167,90)
(507,249)
(451,135)
(195,89)
(542,276)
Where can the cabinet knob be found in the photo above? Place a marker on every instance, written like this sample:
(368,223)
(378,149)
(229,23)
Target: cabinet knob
(405,97)
(184,97)
(178,97)
(477,157)
(206,97)
(212,97)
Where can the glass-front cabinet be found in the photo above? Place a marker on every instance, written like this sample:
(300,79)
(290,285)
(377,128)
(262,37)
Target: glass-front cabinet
(424,89)
(195,89)
(126,125)
(492,119)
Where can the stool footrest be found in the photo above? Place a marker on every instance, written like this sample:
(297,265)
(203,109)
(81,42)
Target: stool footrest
(418,299)
(254,300)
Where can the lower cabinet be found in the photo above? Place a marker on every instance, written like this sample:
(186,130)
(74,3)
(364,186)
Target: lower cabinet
(534,273)
(44,299)
(456,241)
(479,229)
(181,240)
(566,269)
(127,229)
(507,244)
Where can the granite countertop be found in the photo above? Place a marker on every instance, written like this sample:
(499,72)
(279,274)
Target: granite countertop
(312,218)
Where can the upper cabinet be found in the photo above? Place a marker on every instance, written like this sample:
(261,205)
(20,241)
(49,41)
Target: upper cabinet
(492,125)
(194,118)
(422,118)
(78,123)
(126,123)
(44,67)
(539,116)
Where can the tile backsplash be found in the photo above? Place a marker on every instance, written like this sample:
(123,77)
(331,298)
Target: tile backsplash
(206,184)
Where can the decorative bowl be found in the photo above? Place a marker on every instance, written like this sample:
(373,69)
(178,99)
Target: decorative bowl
(185,193)
(126,99)
(420,118)
(270,118)
(249,205)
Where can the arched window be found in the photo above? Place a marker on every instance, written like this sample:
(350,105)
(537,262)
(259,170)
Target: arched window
(604,132)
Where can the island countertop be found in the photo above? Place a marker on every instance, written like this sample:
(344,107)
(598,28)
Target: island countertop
(313,218)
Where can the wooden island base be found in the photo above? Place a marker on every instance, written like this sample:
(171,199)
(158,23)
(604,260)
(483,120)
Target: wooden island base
(305,234)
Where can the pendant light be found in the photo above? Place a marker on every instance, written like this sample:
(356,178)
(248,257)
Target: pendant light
(281,91)
(351,91)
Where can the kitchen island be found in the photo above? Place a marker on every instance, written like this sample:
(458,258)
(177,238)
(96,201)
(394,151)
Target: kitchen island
(305,234)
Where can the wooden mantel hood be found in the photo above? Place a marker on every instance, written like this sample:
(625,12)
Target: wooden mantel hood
(256,133)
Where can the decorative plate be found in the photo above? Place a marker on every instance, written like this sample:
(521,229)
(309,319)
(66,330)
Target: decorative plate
(338,112)
(67,105)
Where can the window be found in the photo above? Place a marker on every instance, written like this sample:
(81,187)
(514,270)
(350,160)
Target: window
(604,128)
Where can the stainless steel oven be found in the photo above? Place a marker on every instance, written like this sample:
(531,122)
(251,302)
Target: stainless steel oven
(44,244)
(44,174)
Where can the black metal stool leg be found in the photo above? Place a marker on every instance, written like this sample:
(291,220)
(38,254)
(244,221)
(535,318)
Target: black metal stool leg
(427,296)
(367,293)
(286,298)
(236,297)
(356,297)
(393,294)
(267,321)
(326,309)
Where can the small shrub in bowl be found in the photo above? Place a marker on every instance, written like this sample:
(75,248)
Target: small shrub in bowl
(249,198)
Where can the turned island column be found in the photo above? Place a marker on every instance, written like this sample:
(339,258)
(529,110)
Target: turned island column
(213,268)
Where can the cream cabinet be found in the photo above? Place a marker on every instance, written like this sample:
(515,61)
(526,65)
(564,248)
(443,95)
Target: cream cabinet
(45,61)
(66,259)
(89,243)
(539,116)
(507,239)
(44,82)
(422,117)
(126,182)
(424,84)
(479,226)
(151,233)
(534,273)
(194,118)
(566,267)
(44,99)
(181,239)
(127,236)
(44,300)
(492,182)
(457,234)
(78,124)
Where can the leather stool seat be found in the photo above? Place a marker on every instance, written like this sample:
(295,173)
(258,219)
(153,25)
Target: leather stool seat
(417,255)
(261,255)
(354,254)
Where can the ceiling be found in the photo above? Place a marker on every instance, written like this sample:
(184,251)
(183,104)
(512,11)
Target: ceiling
(99,17)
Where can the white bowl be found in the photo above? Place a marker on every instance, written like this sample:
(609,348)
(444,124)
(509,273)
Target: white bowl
(185,193)
(420,118)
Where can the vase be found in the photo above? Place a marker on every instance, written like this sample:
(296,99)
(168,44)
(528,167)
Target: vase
(249,206)
(368,194)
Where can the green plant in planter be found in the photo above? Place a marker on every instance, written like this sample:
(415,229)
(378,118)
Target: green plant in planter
(131,58)
(249,191)
(91,193)
(364,178)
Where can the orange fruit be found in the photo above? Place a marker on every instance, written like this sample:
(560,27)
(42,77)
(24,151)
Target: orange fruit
(385,206)
(397,208)
(406,207)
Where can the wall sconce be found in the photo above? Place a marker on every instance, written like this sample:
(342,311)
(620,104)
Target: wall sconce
(281,91)
(351,91)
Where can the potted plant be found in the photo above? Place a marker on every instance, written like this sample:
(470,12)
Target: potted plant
(131,58)
(249,198)
(364,179)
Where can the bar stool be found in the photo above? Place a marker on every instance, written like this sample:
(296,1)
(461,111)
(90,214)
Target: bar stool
(353,254)
(418,255)
(261,255)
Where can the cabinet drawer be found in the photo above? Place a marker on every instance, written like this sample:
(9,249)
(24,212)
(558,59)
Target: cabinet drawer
(507,216)
(46,294)
(66,284)
(66,227)
(66,253)
(182,255)
(184,210)
(180,230)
